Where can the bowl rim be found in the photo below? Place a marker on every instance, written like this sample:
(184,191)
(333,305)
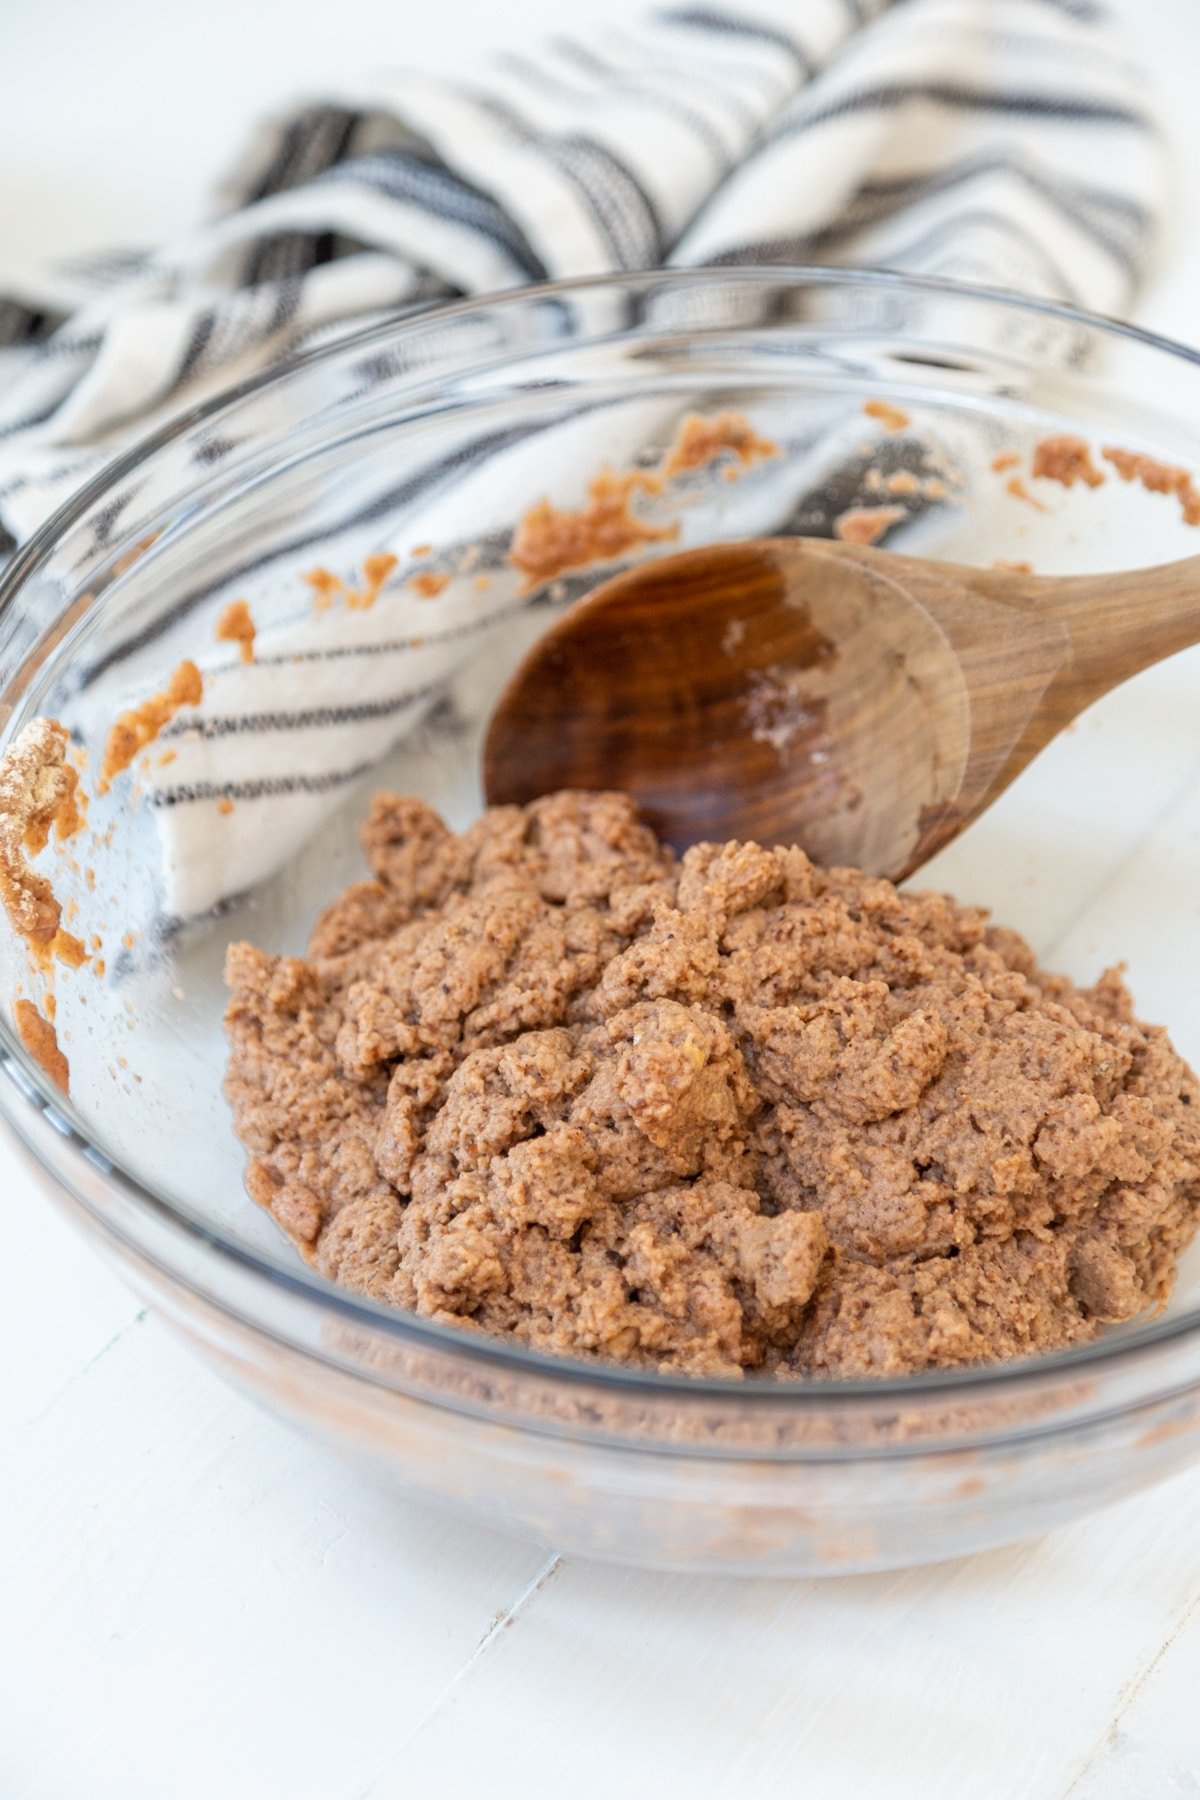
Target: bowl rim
(28,1081)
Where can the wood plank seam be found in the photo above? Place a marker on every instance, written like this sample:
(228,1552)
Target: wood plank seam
(1134,1687)
(503,1619)
(82,1372)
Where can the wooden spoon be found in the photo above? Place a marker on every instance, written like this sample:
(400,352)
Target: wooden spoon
(864,705)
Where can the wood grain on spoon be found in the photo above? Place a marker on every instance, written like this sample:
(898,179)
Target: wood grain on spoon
(862,704)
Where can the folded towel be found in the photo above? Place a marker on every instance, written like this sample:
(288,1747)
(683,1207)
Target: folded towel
(1003,142)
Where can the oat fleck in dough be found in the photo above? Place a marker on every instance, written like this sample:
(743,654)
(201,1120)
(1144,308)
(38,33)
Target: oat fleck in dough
(735,1113)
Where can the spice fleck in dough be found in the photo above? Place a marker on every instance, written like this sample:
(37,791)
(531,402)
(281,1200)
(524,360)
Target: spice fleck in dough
(734,1113)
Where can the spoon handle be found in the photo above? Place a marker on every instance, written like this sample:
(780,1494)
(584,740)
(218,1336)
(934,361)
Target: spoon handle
(1117,623)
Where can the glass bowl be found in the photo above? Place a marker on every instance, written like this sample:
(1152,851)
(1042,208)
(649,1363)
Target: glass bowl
(427,439)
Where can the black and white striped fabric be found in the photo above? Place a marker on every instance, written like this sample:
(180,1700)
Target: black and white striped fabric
(1001,141)
(1004,142)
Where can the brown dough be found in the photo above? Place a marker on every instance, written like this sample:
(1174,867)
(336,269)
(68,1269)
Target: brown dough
(550,541)
(38,792)
(738,1113)
(1068,459)
(41,1040)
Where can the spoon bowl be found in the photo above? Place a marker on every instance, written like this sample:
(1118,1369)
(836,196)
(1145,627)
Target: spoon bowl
(864,705)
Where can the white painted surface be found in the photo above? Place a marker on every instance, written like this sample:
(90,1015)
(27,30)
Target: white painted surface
(194,1603)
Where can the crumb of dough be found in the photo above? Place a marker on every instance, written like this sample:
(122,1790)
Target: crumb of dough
(376,570)
(903,481)
(71,816)
(70,949)
(421,550)
(326,586)
(41,1040)
(38,794)
(701,440)
(132,555)
(100,968)
(1068,459)
(481,583)
(235,626)
(1016,487)
(224,806)
(892,418)
(730,1113)
(1006,459)
(136,729)
(866,524)
(550,540)
(428,584)
(1157,478)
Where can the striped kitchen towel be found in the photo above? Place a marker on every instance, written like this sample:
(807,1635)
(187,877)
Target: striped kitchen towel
(1005,142)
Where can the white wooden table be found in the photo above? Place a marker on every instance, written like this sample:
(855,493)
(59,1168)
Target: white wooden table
(194,1603)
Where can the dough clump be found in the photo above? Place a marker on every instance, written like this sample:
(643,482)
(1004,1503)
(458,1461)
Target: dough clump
(730,1113)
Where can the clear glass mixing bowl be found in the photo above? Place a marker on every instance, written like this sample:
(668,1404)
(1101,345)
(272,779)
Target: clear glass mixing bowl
(440,430)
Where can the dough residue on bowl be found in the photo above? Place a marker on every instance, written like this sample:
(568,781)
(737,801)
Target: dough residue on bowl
(1157,478)
(40,1038)
(732,1113)
(236,626)
(551,540)
(39,794)
(140,726)
(702,439)
(1066,458)
(866,524)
